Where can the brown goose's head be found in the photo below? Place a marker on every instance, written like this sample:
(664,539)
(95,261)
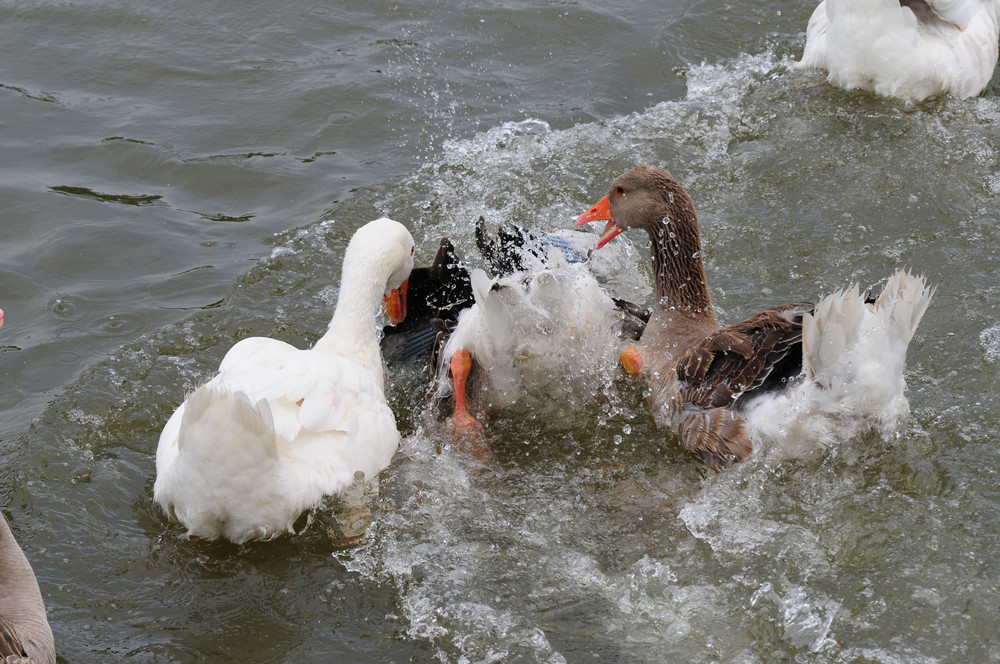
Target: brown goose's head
(653,200)
(644,197)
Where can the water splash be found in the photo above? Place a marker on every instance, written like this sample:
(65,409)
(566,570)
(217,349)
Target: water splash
(990,340)
(600,537)
(587,551)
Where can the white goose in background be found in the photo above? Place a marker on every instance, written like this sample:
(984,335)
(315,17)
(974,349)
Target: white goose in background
(909,49)
(797,377)
(279,428)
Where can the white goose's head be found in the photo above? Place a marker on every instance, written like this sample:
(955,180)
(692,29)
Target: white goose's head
(384,248)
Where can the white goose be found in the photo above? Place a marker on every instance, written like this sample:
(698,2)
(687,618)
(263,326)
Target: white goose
(531,335)
(279,428)
(909,49)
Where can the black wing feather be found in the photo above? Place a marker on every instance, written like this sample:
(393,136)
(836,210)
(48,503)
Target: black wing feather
(440,291)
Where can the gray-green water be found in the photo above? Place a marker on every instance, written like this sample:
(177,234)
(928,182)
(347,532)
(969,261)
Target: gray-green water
(178,177)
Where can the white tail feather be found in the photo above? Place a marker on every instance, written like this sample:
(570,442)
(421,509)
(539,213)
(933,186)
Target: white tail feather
(853,359)
(911,52)
(227,448)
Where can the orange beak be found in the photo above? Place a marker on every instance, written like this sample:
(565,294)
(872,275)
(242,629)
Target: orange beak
(601,212)
(395,303)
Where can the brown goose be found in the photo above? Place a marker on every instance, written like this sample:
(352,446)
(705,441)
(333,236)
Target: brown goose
(795,375)
(25,635)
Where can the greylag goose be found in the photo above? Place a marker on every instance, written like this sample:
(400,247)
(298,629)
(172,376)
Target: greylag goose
(909,49)
(279,428)
(795,375)
(25,635)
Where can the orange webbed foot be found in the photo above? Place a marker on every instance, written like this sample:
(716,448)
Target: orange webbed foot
(469,436)
(467,432)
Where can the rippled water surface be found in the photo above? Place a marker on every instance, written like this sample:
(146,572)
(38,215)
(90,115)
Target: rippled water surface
(178,176)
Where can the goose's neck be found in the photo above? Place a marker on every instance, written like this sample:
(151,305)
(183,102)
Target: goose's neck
(352,331)
(678,268)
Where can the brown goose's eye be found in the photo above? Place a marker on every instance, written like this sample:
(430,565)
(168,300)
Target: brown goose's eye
(620,191)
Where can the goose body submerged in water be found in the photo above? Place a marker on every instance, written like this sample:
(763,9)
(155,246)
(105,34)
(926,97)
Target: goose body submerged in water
(909,49)
(540,330)
(280,428)
(797,376)
(25,635)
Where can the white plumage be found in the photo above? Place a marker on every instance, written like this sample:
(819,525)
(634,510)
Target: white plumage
(854,355)
(536,337)
(909,49)
(280,428)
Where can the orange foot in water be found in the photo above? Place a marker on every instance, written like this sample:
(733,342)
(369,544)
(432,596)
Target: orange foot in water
(467,432)
(631,360)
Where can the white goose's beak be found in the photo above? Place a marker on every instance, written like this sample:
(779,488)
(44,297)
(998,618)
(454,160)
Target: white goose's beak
(395,303)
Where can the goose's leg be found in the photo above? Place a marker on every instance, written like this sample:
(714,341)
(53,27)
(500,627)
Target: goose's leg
(467,429)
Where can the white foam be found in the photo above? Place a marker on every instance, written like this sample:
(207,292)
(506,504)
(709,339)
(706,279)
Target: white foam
(806,615)
(990,341)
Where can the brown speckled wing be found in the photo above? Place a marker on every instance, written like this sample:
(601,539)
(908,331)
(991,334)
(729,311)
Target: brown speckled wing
(739,361)
(717,436)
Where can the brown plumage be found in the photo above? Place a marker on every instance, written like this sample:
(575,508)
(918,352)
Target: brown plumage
(740,359)
(25,635)
(700,372)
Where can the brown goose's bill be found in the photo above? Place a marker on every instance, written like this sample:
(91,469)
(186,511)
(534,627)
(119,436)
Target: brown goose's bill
(601,212)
